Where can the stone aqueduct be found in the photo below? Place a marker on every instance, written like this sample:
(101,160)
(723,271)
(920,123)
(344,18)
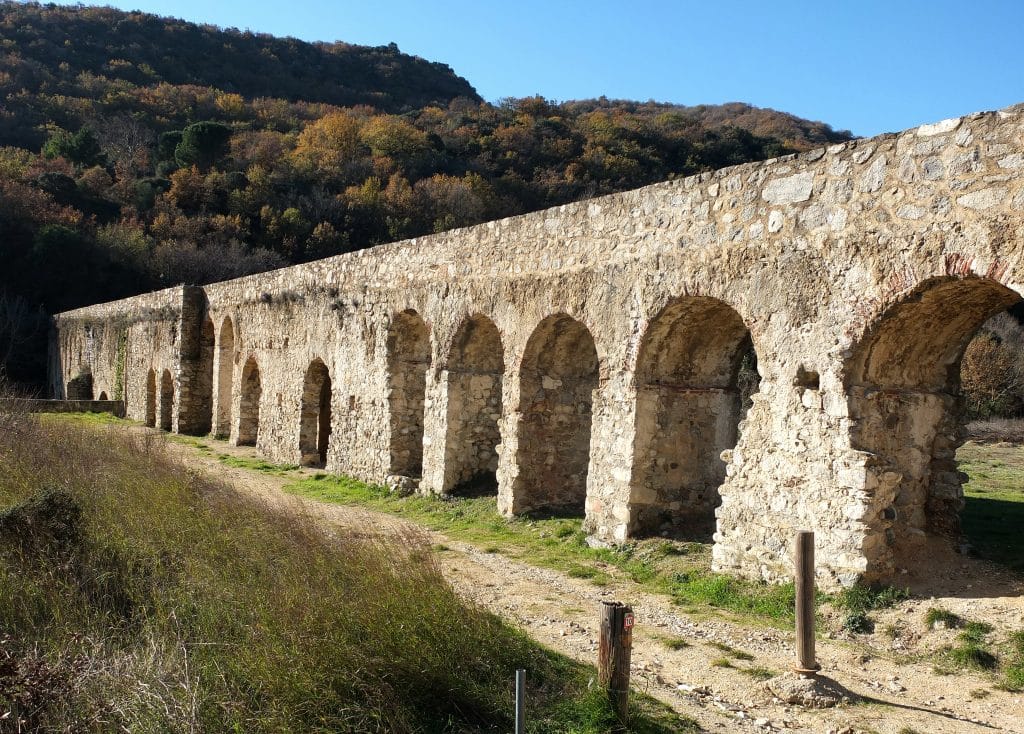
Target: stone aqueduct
(587,356)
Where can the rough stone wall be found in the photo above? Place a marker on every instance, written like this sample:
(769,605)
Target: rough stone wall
(834,264)
(408,347)
(118,343)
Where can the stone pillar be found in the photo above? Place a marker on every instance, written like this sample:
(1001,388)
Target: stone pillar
(508,449)
(793,469)
(436,415)
(609,512)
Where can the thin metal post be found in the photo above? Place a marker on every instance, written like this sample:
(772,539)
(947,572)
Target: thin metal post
(520,701)
(806,664)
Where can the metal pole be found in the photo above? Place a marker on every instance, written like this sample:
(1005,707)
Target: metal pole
(520,701)
(806,664)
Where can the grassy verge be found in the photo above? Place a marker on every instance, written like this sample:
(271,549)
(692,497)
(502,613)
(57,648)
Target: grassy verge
(678,569)
(138,596)
(994,512)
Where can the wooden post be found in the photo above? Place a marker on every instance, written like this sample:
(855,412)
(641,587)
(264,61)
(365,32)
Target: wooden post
(806,664)
(613,655)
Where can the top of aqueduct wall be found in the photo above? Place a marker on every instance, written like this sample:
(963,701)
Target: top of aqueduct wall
(749,205)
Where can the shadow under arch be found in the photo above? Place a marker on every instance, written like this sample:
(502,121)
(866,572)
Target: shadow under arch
(476,365)
(315,415)
(903,386)
(151,399)
(166,401)
(249,404)
(696,370)
(197,408)
(558,376)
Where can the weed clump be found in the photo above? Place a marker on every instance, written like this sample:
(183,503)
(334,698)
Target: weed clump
(857,601)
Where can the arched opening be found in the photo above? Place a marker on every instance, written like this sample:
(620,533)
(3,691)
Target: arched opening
(202,395)
(103,396)
(475,368)
(151,399)
(559,374)
(408,359)
(166,401)
(903,382)
(249,404)
(225,376)
(315,418)
(695,371)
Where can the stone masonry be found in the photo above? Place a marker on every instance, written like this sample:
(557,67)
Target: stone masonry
(586,358)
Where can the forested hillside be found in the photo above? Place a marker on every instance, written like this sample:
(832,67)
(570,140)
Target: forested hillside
(139,152)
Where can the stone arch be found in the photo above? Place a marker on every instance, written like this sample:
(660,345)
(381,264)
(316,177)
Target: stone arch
(225,377)
(903,386)
(202,395)
(315,417)
(103,396)
(476,364)
(151,399)
(558,376)
(166,401)
(249,404)
(408,359)
(690,401)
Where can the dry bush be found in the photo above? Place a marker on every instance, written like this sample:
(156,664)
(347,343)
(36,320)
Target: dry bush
(995,430)
(992,370)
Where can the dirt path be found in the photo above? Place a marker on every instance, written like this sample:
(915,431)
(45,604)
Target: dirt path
(562,612)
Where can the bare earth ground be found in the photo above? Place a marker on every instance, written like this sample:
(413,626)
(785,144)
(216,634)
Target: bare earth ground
(899,694)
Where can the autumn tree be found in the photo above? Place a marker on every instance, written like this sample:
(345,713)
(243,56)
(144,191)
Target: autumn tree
(330,144)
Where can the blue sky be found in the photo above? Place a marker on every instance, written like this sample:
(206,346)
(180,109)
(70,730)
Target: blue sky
(867,66)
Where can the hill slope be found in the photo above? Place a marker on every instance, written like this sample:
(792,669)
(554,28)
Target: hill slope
(145,49)
(138,152)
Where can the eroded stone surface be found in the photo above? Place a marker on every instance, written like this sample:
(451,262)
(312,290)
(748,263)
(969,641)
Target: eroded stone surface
(584,357)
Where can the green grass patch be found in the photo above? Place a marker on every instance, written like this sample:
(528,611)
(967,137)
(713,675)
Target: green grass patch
(973,656)
(680,570)
(994,510)
(975,632)
(940,616)
(971,651)
(758,673)
(858,601)
(254,464)
(1013,672)
(139,596)
(84,419)
(675,643)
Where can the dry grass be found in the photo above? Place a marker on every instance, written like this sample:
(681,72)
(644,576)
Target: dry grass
(996,430)
(137,596)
